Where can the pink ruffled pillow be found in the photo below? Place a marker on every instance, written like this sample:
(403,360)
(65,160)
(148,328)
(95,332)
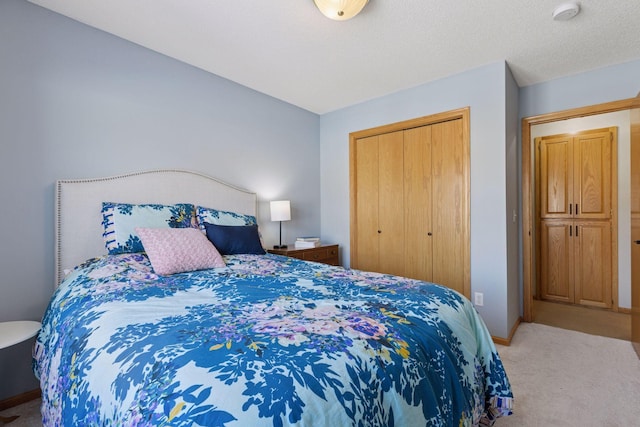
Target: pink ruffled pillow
(176,250)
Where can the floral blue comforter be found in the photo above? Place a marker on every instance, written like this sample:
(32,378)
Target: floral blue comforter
(266,341)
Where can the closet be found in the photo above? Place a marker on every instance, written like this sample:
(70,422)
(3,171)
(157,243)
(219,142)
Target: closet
(576,175)
(410,199)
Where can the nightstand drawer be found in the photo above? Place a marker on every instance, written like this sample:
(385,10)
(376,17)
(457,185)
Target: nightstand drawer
(325,254)
(328,255)
(315,254)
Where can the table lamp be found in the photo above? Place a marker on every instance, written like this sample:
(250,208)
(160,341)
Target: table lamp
(280,211)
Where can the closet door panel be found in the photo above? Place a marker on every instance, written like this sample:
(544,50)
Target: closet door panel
(556,177)
(593,263)
(367,164)
(449,211)
(417,199)
(635,164)
(391,203)
(557,253)
(592,175)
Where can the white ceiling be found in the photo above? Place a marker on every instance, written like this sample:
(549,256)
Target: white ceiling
(289,50)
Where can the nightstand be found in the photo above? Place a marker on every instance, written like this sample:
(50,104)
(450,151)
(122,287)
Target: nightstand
(13,333)
(326,254)
(17,331)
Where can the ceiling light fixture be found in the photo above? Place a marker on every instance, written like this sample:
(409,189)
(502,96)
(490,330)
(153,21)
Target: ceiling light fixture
(340,10)
(566,11)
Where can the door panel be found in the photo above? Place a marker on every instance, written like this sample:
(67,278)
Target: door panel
(391,203)
(635,226)
(556,273)
(556,177)
(592,274)
(635,283)
(417,198)
(366,204)
(592,175)
(449,215)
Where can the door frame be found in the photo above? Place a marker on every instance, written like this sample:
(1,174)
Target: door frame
(528,190)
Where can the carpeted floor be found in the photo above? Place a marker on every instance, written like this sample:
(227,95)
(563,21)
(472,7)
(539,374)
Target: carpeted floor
(29,415)
(593,321)
(567,378)
(559,378)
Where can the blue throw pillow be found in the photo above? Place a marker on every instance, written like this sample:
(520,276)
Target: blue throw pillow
(235,239)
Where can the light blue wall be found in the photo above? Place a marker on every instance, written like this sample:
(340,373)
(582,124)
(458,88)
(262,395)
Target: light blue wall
(483,89)
(605,84)
(76,102)
(514,295)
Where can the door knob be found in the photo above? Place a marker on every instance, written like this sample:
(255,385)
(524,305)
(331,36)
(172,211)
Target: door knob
(637,242)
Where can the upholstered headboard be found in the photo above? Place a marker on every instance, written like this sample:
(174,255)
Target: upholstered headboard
(78,221)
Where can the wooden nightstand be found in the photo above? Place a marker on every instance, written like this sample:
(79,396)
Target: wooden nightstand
(327,254)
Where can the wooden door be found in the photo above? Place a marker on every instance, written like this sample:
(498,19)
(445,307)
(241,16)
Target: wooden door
(556,263)
(449,234)
(391,230)
(635,226)
(395,198)
(556,176)
(592,174)
(379,205)
(576,181)
(418,203)
(592,263)
(366,206)
(575,175)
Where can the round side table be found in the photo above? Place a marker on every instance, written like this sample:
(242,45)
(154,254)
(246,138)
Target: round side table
(13,333)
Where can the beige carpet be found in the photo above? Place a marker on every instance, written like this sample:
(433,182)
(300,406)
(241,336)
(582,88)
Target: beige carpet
(566,378)
(29,415)
(559,378)
(593,321)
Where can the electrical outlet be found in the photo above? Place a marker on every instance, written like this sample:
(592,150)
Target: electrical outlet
(479,299)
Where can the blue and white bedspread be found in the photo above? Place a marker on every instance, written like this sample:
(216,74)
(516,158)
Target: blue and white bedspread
(266,341)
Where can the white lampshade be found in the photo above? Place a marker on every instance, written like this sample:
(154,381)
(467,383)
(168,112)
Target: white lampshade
(280,210)
(340,10)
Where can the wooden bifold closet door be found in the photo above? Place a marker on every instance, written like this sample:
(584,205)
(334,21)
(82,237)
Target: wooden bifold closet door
(409,201)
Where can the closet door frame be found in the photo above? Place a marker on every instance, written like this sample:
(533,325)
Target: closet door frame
(462,114)
(528,194)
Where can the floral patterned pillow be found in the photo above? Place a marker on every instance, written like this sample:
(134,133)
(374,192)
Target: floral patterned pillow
(178,250)
(119,221)
(218,217)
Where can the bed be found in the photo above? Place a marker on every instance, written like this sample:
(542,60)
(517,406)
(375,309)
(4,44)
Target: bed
(251,338)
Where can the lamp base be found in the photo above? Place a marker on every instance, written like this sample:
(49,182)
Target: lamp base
(279,246)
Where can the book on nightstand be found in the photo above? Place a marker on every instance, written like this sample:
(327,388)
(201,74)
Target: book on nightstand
(307,242)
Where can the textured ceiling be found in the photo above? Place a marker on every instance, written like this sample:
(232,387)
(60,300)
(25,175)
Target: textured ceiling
(289,50)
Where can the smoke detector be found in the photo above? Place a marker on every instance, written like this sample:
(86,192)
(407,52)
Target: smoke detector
(566,11)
